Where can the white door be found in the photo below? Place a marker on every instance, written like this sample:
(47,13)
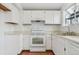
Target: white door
(49,17)
(57,18)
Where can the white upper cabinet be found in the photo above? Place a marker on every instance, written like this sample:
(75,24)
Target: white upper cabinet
(49,17)
(57,17)
(53,17)
(38,15)
(27,17)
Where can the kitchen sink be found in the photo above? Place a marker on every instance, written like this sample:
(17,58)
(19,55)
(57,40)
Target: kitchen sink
(69,34)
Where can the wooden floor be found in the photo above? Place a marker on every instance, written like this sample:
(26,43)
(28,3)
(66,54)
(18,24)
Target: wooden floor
(47,52)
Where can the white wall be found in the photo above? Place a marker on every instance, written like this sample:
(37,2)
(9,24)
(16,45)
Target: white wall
(10,36)
(1,32)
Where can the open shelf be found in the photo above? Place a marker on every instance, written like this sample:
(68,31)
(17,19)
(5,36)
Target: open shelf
(4,8)
(11,23)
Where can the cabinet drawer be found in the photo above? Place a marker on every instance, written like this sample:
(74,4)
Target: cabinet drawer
(74,45)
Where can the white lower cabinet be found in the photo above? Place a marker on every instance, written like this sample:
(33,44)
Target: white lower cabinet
(63,46)
(48,42)
(26,42)
(58,45)
(11,44)
(72,48)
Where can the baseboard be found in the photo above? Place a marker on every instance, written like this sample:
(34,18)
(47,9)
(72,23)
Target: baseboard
(23,51)
(51,51)
(29,51)
(19,51)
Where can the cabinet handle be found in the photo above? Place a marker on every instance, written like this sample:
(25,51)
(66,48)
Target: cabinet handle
(64,49)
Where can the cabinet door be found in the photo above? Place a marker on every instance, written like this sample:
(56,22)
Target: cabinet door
(48,42)
(57,18)
(11,44)
(26,42)
(58,45)
(37,15)
(8,16)
(73,48)
(42,16)
(27,17)
(49,17)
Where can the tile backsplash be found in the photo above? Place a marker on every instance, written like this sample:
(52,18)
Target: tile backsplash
(27,29)
(72,28)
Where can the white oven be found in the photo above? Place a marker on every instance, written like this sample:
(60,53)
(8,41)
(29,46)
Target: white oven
(38,36)
(38,40)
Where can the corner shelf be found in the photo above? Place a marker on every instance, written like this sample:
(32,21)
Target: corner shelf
(4,8)
(11,23)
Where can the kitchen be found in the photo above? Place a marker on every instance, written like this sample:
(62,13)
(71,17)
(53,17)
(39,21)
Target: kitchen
(38,27)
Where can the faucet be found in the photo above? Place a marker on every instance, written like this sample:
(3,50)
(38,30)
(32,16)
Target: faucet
(69,32)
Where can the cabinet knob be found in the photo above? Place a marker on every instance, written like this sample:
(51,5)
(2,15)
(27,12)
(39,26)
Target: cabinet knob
(64,49)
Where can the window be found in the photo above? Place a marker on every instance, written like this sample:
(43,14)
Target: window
(72,14)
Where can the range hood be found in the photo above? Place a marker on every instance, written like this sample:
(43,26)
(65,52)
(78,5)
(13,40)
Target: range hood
(37,21)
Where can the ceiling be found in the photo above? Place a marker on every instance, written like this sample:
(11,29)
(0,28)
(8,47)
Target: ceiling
(42,6)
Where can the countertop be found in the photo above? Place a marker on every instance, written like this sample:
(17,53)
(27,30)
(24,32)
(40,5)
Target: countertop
(73,38)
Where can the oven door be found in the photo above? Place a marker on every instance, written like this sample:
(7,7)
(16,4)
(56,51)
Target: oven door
(38,41)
